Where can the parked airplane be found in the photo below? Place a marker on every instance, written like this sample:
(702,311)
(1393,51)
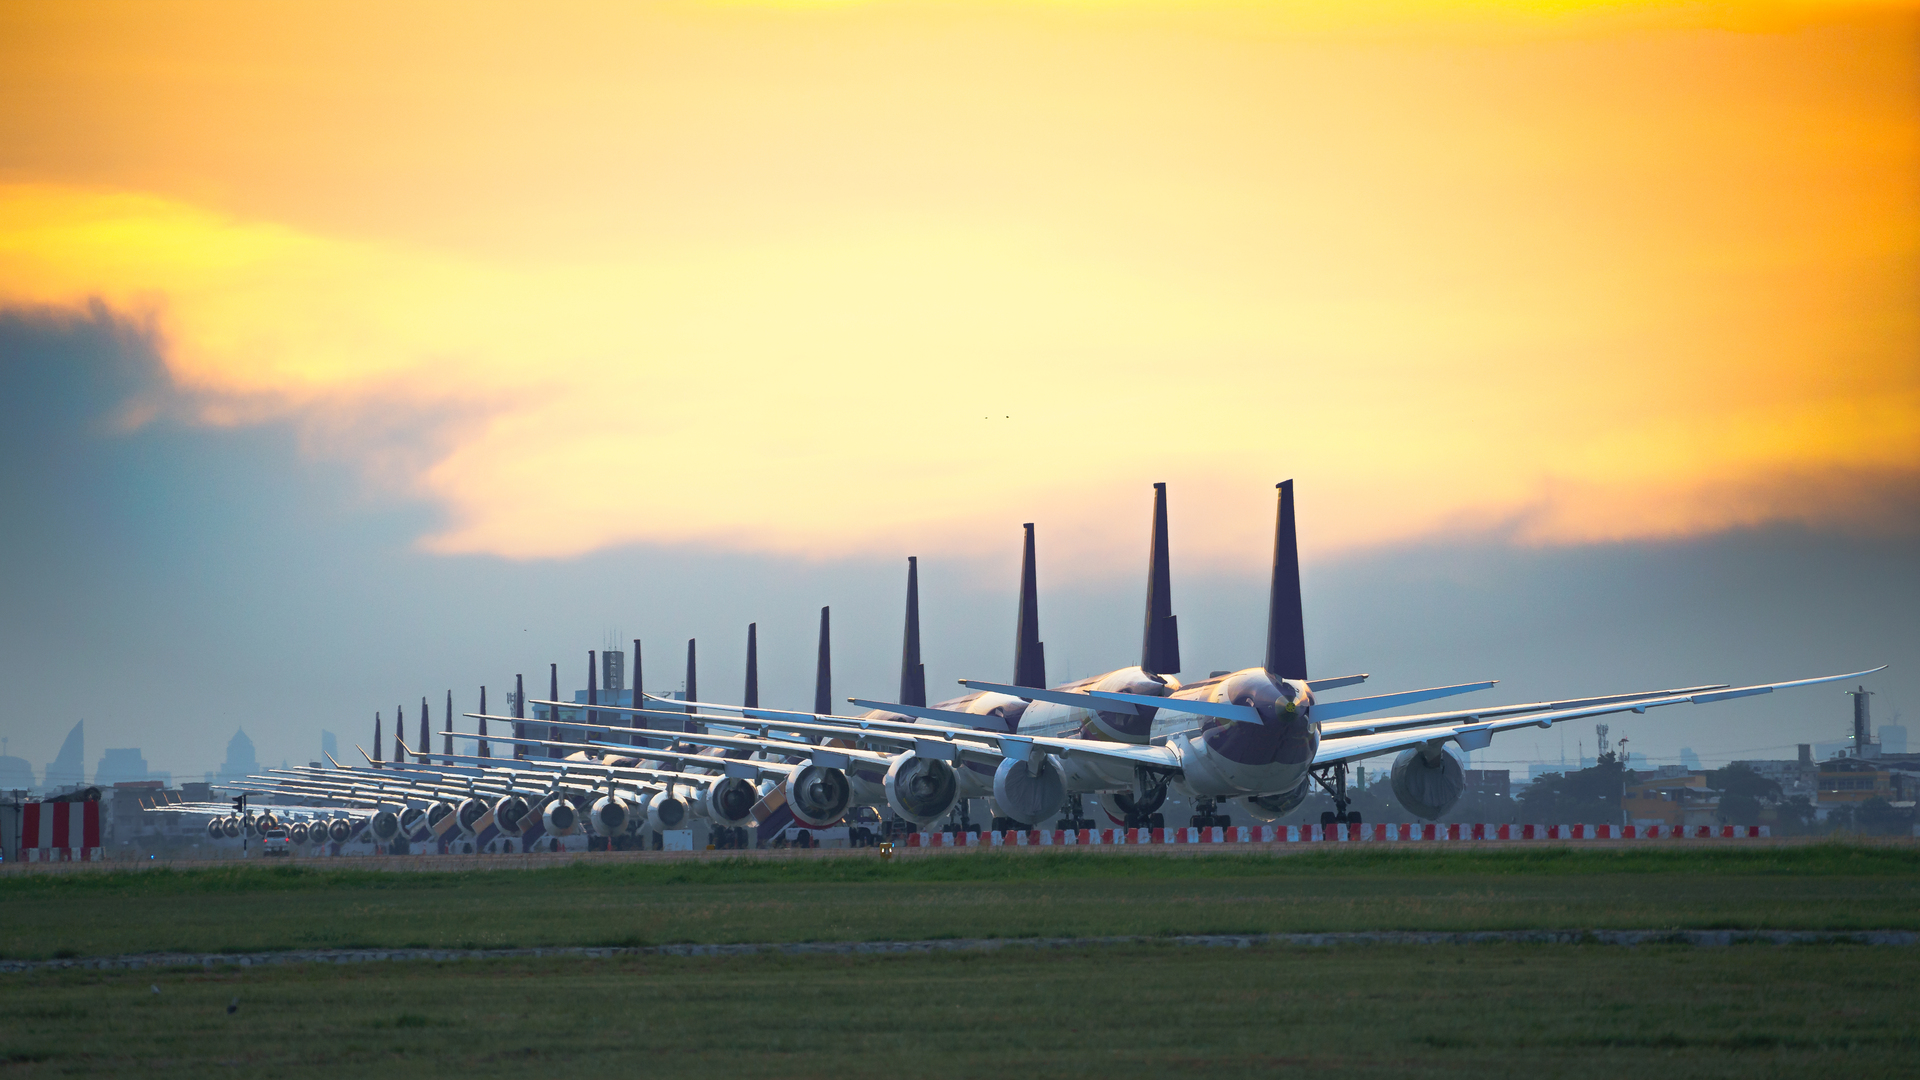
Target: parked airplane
(1257,735)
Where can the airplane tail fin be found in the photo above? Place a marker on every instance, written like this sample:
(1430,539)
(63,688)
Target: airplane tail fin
(1160,641)
(376,738)
(553,711)
(639,690)
(1029,652)
(1286,624)
(913,673)
(751,699)
(693,691)
(426,735)
(823,671)
(484,750)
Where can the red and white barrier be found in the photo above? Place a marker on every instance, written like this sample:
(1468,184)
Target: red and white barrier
(1297,834)
(60,831)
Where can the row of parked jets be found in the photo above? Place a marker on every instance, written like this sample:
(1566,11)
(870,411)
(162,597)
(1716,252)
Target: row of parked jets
(1260,739)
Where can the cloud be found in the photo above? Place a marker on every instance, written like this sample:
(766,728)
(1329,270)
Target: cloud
(834,292)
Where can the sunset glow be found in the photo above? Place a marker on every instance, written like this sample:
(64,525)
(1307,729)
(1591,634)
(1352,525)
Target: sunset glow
(831,278)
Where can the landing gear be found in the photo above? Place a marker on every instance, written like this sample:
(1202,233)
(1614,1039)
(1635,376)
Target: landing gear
(1205,818)
(1139,806)
(1076,817)
(960,822)
(1338,789)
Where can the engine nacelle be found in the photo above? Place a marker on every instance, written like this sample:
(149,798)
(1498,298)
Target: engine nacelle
(1427,786)
(1025,796)
(560,818)
(437,813)
(610,816)
(339,830)
(412,819)
(471,812)
(297,833)
(921,790)
(509,814)
(265,821)
(1274,807)
(385,827)
(665,811)
(818,795)
(216,827)
(730,801)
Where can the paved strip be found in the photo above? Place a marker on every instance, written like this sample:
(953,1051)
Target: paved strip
(1705,938)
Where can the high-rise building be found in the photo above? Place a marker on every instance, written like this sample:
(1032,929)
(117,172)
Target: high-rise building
(69,768)
(240,761)
(120,767)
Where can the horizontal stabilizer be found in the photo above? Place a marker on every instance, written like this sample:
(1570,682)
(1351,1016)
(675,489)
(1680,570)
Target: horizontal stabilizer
(944,716)
(1317,685)
(1058,697)
(1225,710)
(1334,710)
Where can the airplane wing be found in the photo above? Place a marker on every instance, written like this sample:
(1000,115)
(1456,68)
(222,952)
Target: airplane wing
(1475,733)
(1341,729)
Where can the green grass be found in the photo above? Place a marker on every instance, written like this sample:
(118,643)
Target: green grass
(859,897)
(1472,1011)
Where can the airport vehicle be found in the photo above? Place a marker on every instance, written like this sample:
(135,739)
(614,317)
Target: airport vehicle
(273,842)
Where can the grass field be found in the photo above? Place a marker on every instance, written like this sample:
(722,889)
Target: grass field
(859,897)
(1493,1010)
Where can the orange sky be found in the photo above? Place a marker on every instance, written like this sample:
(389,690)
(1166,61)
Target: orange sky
(863,277)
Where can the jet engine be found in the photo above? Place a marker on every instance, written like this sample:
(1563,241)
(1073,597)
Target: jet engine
(231,826)
(339,830)
(818,796)
(730,801)
(1427,782)
(1275,807)
(610,816)
(385,826)
(507,814)
(437,813)
(921,790)
(216,827)
(297,833)
(471,811)
(265,822)
(666,811)
(411,820)
(560,818)
(1026,797)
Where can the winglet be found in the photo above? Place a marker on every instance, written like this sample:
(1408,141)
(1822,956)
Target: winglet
(1286,623)
(1160,640)
(1029,652)
(913,673)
